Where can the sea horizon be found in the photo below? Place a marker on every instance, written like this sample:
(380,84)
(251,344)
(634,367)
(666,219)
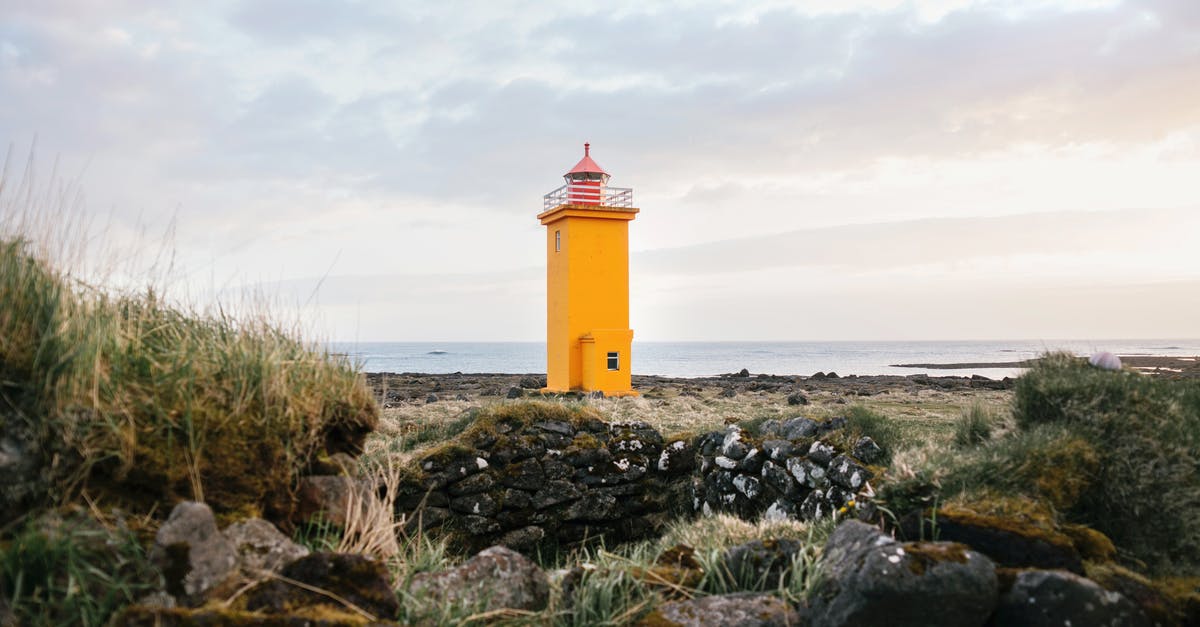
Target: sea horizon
(785,357)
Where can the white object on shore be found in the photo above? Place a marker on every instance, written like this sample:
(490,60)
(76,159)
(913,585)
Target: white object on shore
(1105,361)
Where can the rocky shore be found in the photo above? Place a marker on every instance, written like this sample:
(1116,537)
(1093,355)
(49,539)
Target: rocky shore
(409,386)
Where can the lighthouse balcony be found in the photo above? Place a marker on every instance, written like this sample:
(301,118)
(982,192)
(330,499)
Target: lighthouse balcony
(584,194)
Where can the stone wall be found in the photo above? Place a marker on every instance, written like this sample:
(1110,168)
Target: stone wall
(538,473)
(799,468)
(545,474)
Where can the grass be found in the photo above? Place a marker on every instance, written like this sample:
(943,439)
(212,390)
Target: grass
(863,421)
(141,402)
(72,572)
(597,585)
(128,401)
(1145,431)
(974,427)
(1115,451)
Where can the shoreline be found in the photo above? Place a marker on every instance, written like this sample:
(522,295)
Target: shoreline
(409,387)
(1151,364)
(403,387)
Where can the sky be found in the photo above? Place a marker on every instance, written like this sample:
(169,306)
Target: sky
(824,170)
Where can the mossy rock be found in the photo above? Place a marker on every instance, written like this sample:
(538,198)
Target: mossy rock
(337,582)
(1009,541)
(509,417)
(1091,544)
(1162,605)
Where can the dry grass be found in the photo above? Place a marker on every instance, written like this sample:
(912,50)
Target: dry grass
(139,400)
(371,526)
(920,416)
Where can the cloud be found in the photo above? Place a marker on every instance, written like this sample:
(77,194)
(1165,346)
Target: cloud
(288,137)
(908,278)
(914,243)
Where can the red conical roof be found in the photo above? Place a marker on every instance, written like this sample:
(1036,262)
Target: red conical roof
(586,164)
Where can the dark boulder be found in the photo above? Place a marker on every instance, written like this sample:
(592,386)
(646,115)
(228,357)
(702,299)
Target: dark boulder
(525,475)
(1045,598)
(555,492)
(1007,541)
(870,579)
(777,477)
(475,504)
(778,450)
(342,578)
(807,473)
(821,452)
(762,563)
(847,473)
(866,449)
(677,457)
(799,428)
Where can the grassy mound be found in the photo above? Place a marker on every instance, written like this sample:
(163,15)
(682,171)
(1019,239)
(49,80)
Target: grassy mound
(1115,451)
(139,403)
(1145,490)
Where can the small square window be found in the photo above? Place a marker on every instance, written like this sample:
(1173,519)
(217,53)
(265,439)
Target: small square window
(614,361)
(557,241)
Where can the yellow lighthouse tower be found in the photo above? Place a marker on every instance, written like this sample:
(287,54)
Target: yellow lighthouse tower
(588,337)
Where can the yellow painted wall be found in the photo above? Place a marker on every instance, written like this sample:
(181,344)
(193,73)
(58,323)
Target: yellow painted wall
(587,282)
(595,348)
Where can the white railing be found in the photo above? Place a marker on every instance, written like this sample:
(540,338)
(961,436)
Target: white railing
(589,195)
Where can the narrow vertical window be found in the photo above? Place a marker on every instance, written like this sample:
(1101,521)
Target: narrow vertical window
(557,241)
(614,361)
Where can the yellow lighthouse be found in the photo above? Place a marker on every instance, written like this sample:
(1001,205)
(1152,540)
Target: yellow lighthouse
(588,337)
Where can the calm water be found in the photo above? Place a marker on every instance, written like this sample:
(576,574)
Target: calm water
(694,359)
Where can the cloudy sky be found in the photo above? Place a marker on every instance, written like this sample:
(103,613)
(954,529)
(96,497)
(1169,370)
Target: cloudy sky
(833,169)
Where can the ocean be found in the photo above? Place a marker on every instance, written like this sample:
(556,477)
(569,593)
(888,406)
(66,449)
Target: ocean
(695,359)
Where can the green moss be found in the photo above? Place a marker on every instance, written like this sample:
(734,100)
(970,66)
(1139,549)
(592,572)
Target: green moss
(584,441)
(508,417)
(922,556)
(446,453)
(1091,544)
(1030,522)
(1162,605)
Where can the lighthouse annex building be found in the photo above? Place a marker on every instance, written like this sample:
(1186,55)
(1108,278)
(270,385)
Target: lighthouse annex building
(588,338)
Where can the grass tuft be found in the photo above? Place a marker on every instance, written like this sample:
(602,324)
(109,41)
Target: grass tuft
(73,571)
(886,432)
(973,427)
(139,402)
